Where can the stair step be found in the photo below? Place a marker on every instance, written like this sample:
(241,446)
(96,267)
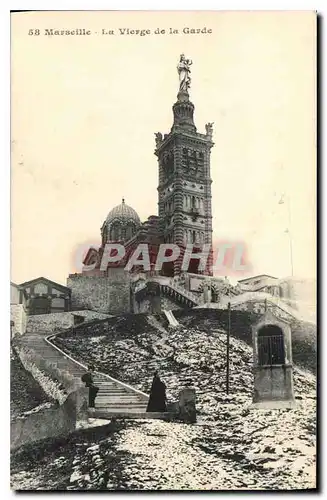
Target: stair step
(122,401)
(119,403)
(124,395)
(126,414)
(119,393)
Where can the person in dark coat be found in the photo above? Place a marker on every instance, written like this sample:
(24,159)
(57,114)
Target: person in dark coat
(87,378)
(157,399)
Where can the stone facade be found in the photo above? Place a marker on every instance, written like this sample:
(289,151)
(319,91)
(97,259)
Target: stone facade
(107,294)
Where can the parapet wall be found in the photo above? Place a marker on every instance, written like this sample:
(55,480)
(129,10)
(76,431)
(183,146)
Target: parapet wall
(58,420)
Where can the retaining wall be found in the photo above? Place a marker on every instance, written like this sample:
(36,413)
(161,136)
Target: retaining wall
(58,420)
(56,322)
(61,418)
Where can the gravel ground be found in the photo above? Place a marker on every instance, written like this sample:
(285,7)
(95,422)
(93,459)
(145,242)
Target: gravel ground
(246,449)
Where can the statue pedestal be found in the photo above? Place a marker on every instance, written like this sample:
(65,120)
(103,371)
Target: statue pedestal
(183,96)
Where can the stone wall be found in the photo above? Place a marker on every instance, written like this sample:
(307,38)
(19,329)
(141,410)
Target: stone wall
(59,420)
(109,294)
(55,383)
(61,417)
(55,322)
(19,317)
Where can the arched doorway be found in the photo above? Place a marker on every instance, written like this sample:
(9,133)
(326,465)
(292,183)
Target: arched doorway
(271,349)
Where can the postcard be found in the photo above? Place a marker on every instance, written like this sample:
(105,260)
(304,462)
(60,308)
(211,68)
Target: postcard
(163,250)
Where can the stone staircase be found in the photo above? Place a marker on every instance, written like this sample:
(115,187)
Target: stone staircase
(177,293)
(114,399)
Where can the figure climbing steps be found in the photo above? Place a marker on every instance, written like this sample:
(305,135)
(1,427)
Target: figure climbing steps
(114,399)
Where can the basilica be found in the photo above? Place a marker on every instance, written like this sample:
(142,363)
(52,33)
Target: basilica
(184,217)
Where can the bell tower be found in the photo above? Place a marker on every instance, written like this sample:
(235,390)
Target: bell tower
(184,189)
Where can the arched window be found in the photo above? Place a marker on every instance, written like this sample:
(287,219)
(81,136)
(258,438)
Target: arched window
(115,232)
(271,349)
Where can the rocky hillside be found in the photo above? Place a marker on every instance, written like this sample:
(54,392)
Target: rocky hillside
(55,322)
(186,355)
(234,445)
(304,334)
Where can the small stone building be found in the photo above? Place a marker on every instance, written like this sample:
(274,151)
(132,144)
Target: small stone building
(272,359)
(45,296)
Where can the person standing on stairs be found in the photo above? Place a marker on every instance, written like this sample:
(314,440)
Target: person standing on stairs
(157,399)
(87,378)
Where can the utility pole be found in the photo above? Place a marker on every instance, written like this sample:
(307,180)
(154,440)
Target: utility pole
(227,352)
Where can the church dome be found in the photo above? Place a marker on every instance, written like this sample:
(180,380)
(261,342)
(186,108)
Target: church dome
(123,213)
(121,224)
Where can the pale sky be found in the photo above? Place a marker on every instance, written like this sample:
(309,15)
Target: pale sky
(85,110)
